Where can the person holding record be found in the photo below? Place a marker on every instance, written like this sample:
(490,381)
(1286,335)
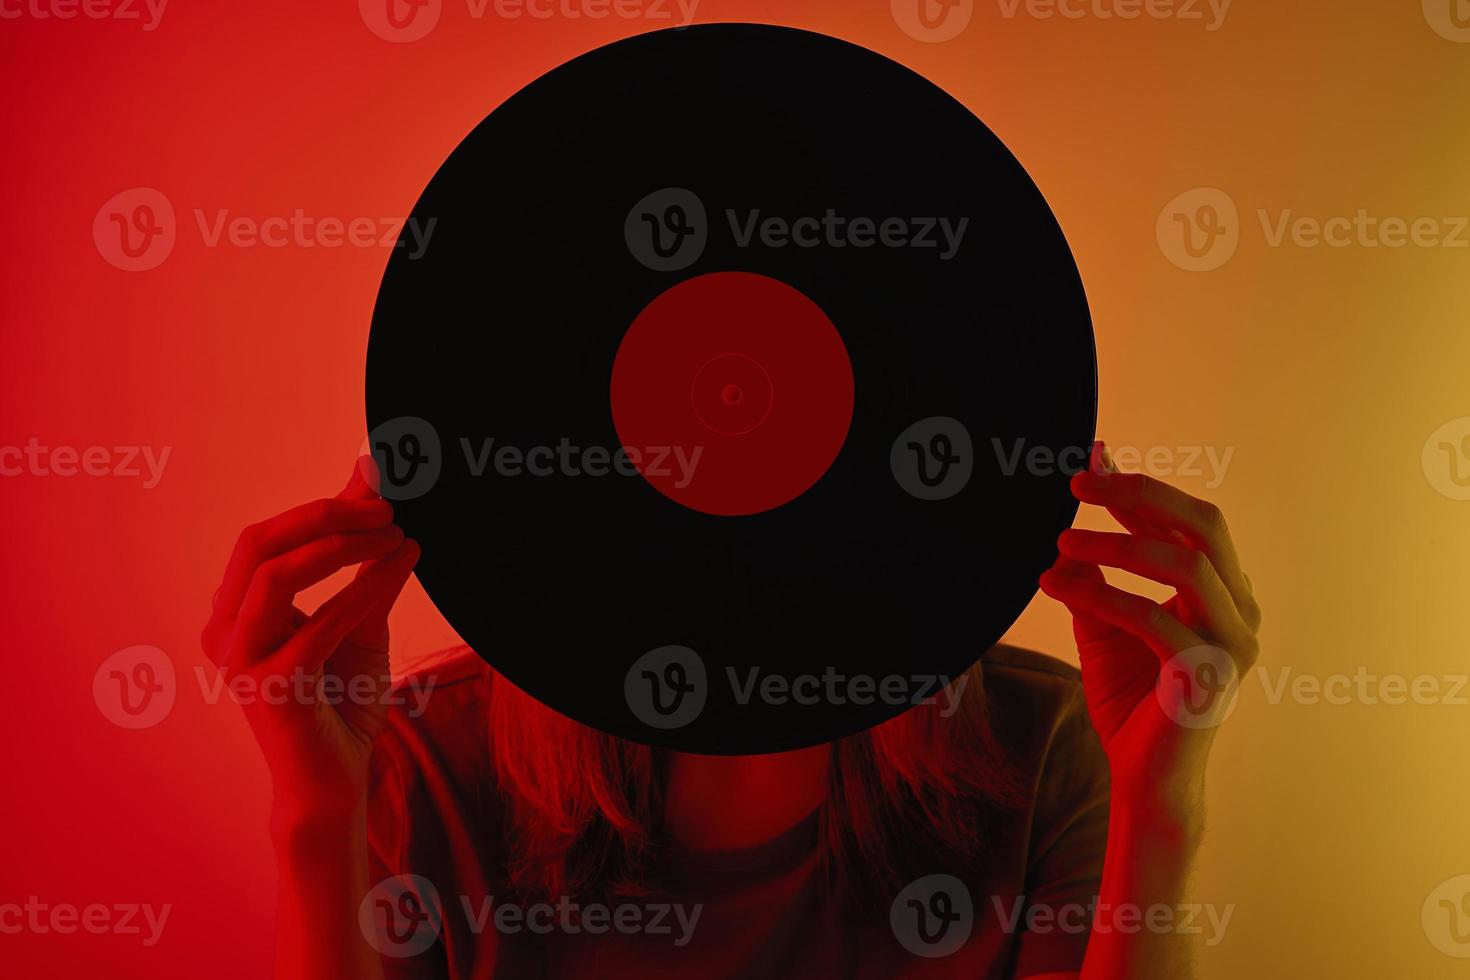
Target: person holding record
(1027,835)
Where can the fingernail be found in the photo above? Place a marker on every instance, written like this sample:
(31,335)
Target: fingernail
(1107,460)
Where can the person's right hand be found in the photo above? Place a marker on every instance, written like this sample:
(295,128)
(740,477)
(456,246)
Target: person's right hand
(318,682)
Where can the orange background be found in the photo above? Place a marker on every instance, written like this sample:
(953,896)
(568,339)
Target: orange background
(1326,369)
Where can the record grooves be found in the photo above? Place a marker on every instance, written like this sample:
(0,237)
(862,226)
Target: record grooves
(834,303)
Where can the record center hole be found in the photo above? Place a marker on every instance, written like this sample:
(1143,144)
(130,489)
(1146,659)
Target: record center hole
(732,394)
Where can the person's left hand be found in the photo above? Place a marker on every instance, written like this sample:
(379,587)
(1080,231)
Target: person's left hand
(1158,677)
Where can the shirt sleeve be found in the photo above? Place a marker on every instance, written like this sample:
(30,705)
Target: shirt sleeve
(1068,842)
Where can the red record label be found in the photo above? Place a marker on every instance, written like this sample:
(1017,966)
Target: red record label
(743,376)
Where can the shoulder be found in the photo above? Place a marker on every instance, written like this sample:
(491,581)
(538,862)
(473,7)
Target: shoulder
(1030,691)
(431,761)
(1037,710)
(440,706)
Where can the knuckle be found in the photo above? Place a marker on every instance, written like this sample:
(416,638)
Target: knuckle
(1196,567)
(250,537)
(273,575)
(1210,517)
(1153,615)
(319,510)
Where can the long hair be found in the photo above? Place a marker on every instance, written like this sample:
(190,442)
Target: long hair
(583,806)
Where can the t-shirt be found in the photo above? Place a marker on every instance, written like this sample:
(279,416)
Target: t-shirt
(762,912)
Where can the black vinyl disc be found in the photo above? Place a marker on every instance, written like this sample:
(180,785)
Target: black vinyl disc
(734,394)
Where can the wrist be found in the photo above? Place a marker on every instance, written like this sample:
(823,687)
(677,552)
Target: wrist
(1164,825)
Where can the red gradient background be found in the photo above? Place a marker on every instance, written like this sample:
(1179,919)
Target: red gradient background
(1319,367)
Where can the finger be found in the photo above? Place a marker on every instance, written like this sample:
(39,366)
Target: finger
(1085,626)
(265,611)
(1187,570)
(261,542)
(1100,463)
(1067,565)
(1133,614)
(1139,496)
(341,614)
(363,484)
(372,632)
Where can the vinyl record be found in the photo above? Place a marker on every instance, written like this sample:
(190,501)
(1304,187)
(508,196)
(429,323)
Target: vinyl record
(734,394)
